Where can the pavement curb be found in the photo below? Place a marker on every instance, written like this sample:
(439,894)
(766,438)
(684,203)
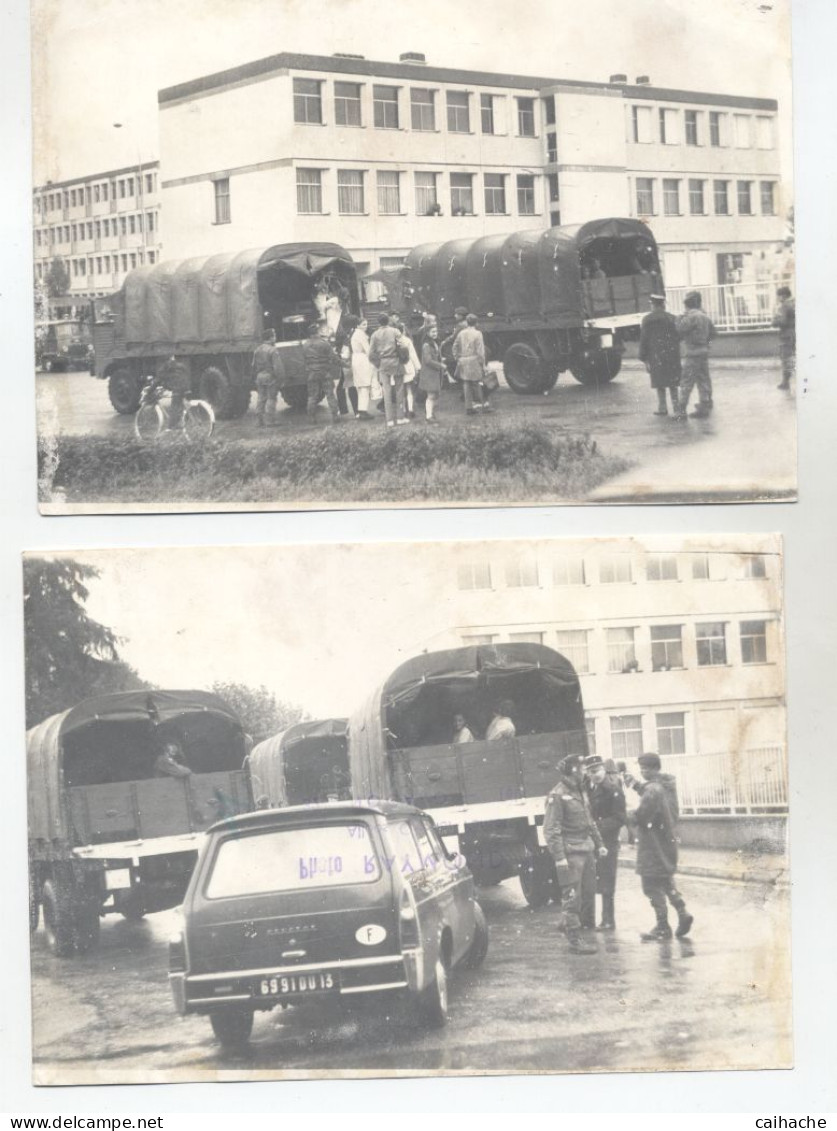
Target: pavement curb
(779,878)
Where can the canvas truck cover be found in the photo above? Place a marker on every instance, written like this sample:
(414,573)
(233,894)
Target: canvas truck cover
(493,671)
(213,298)
(268,759)
(46,743)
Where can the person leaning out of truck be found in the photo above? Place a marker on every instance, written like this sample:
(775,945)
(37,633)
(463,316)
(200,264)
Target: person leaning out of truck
(169,762)
(573,841)
(269,376)
(176,377)
(322,369)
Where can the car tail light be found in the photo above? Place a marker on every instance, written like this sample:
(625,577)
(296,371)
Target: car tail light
(177,953)
(408,929)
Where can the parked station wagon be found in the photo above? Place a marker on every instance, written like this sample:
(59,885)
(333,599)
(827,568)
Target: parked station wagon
(338,902)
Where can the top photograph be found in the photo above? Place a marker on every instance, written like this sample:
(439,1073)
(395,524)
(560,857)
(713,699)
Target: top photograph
(293,259)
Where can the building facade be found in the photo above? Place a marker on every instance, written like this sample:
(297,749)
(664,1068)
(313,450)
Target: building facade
(382,156)
(100,227)
(680,652)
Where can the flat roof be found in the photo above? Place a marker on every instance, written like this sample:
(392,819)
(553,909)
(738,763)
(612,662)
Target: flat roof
(422,73)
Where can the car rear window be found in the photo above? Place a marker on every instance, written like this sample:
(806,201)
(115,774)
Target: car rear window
(293,860)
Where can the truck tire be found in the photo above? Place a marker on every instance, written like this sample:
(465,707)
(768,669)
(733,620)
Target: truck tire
(550,382)
(537,878)
(295,397)
(596,367)
(241,400)
(479,944)
(58,920)
(217,388)
(433,1003)
(232,1027)
(523,369)
(124,390)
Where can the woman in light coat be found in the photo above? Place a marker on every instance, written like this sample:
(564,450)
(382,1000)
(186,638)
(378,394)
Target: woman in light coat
(362,371)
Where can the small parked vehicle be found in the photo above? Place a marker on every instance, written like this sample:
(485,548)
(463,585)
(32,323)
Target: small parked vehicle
(334,903)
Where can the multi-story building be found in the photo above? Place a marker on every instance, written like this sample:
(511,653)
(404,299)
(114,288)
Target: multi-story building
(383,156)
(680,651)
(100,226)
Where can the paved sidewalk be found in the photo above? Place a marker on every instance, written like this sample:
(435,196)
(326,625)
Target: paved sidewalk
(723,864)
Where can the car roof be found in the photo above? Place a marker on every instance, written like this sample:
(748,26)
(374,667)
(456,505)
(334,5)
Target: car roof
(289,814)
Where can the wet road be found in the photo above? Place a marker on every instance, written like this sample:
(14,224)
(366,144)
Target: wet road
(720,999)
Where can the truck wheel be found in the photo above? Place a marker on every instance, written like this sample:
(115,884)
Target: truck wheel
(58,920)
(550,382)
(596,367)
(124,390)
(433,1003)
(295,397)
(241,400)
(523,369)
(537,879)
(86,927)
(232,1027)
(132,910)
(218,389)
(479,944)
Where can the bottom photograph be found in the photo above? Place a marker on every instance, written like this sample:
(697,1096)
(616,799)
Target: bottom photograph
(405,809)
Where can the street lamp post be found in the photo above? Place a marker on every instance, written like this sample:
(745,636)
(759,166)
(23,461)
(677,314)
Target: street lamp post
(140,196)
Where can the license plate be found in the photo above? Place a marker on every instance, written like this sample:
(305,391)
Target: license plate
(279,985)
(607,341)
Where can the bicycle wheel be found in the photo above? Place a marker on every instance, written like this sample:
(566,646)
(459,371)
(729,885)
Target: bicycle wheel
(149,421)
(198,420)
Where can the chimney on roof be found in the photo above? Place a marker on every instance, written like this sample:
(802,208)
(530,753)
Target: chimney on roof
(412,57)
(618,78)
(643,80)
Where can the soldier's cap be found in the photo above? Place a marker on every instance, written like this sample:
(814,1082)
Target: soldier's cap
(784,292)
(461,312)
(650,761)
(593,761)
(569,762)
(657,298)
(692,299)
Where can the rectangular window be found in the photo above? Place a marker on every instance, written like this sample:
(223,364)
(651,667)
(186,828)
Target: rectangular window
(525,638)
(347,103)
(495,194)
(666,647)
(669,134)
(716,129)
(124,260)
(626,737)
(526,117)
(152,256)
(743,131)
(459,117)
(389,193)
(487,113)
(97,193)
(350,192)
(590,727)
(132,220)
(671,733)
(615,568)
(697,197)
(549,110)
(671,197)
(473,575)
(98,229)
(621,650)
(222,201)
(552,187)
(754,566)
(133,260)
(753,642)
(645,196)
(551,148)
(149,182)
(768,198)
(568,571)
(129,186)
(427,198)
(152,223)
(764,133)
(690,120)
(474,640)
(643,131)
(711,644)
(423,108)
(105,192)
(308,101)
(573,644)
(123,225)
(662,567)
(721,194)
(309,190)
(745,198)
(525,194)
(521,572)
(462,194)
(385,107)
(700,567)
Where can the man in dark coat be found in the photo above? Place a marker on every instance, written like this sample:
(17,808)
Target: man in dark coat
(573,841)
(656,856)
(322,368)
(607,805)
(659,348)
(785,319)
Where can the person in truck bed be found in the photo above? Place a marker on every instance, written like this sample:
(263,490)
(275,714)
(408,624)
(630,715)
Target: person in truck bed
(169,762)
(501,725)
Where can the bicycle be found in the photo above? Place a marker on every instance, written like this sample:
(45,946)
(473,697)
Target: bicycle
(154,414)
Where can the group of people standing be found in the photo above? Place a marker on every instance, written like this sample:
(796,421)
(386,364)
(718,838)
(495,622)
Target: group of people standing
(585,813)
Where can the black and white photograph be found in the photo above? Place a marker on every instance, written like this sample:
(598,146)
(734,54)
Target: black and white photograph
(523,809)
(347,255)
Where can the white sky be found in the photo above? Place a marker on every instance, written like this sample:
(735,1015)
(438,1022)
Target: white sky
(96,62)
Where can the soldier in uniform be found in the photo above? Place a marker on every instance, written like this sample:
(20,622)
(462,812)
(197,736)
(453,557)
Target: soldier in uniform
(573,841)
(175,376)
(607,805)
(696,331)
(322,368)
(785,319)
(269,374)
(659,349)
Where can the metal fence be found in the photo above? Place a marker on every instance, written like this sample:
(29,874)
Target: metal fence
(748,781)
(732,306)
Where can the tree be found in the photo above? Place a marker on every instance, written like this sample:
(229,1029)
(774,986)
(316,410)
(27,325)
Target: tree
(69,656)
(58,278)
(261,713)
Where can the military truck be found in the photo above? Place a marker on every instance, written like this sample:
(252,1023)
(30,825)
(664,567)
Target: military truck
(487,797)
(210,312)
(304,765)
(108,832)
(546,301)
(62,345)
